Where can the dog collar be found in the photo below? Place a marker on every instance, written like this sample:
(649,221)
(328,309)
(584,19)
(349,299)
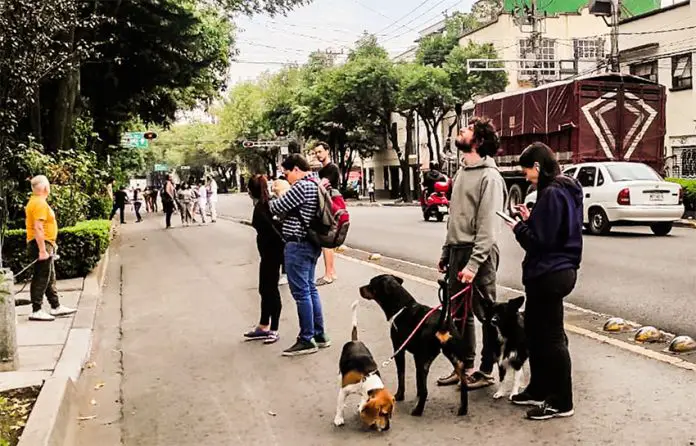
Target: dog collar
(373,382)
(392,320)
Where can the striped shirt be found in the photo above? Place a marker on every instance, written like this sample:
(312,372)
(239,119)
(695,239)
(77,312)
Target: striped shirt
(302,196)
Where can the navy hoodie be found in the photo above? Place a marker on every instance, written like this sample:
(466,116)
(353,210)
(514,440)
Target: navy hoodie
(552,235)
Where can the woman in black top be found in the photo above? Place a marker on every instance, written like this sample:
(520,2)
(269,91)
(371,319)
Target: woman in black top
(271,247)
(551,235)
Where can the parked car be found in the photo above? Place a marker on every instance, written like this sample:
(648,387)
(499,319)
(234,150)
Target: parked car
(625,194)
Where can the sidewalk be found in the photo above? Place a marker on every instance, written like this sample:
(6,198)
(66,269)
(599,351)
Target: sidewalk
(40,344)
(188,378)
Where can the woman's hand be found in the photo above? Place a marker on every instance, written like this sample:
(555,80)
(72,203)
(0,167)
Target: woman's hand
(523,210)
(512,225)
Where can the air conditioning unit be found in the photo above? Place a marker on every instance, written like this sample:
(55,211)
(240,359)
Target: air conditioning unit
(601,8)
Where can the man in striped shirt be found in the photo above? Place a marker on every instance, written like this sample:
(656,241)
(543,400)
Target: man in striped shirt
(299,208)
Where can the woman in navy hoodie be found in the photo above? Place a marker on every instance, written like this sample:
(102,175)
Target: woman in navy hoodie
(551,235)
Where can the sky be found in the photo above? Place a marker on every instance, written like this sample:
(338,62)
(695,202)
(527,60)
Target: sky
(266,43)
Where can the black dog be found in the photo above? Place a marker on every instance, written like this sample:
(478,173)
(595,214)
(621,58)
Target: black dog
(511,344)
(404,313)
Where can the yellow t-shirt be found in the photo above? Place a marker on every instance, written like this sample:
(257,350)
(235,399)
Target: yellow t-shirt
(38,209)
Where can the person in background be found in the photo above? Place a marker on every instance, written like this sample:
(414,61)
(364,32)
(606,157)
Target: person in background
(168,194)
(110,182)
(551,235)
(212,198)
(120,200)
(269,242)
(194,197)
(148,199)
(153,198)
(371,191)
(202,200)
(42,234)
(470,254)
(137,204)
(331,177)
(280,187)
(299,207)
(185,196)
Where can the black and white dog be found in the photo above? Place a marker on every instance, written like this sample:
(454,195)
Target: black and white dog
(511,343)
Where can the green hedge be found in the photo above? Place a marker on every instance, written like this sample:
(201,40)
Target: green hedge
(80,247)
(689,187)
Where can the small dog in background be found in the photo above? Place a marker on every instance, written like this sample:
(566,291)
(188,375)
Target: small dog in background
(359,374)
(512,351)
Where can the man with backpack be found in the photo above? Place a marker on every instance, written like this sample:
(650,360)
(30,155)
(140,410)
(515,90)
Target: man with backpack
(331,175)
(299,209)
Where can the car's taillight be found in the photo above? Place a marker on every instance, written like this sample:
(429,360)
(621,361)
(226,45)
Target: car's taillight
(624,197)
(681,195)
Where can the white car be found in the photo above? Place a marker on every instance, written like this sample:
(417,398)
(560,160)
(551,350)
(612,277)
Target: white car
(625,194)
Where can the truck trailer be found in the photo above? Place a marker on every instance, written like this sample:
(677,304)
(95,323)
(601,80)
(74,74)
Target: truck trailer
(606,117)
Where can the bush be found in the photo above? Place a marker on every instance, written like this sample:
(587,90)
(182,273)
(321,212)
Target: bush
(689,187)
(80,247)
(99,208)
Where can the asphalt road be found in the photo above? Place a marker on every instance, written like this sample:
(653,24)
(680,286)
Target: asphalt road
(182,298)
(630,273)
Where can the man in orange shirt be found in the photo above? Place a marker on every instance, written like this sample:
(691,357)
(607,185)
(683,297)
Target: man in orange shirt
(42,233)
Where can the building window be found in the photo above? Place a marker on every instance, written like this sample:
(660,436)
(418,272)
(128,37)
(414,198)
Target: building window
(688,162)
(681,71)
(647,70)
(549,67)
(588,49)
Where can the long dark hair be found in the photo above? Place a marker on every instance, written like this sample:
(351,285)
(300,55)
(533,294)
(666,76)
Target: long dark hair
(542,154)
(258,188)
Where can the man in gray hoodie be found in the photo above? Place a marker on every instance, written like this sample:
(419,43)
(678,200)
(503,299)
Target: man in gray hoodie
(470,253)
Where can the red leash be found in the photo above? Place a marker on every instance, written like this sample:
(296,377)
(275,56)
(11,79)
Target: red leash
(425,318)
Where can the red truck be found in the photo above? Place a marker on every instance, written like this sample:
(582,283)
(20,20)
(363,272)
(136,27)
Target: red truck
(606,117)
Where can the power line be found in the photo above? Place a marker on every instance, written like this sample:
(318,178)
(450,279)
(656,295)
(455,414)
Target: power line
(658,31)
(402,17)
(416,18)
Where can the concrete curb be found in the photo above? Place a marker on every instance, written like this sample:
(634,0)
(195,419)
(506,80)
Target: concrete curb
(53,420)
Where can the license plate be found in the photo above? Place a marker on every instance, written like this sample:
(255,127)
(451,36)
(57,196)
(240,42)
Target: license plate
(656,197)
(442,209)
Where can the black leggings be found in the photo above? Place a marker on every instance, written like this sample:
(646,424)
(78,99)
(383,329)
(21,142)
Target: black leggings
(549,358)
(269,275)
(168,211)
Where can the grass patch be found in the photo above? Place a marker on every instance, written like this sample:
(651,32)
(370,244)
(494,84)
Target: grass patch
(15,407)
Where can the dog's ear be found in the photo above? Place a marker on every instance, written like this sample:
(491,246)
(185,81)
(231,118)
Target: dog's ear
(399,279)
(517,302)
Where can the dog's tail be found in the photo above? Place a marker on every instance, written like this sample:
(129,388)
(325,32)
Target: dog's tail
(354,333)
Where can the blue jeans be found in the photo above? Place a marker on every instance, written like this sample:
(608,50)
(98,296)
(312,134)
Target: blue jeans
(300,262)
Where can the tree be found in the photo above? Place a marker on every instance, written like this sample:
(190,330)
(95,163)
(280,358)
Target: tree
(486,10)
(433,49)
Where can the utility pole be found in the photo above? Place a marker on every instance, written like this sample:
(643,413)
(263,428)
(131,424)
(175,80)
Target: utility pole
(615,9)
(536,43)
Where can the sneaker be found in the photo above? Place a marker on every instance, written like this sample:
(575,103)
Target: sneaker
(41,315)
(62,311)
(526,399)
(546,412)
(272,338)
(283,278)
(322,340)
(301,348)
(257,334)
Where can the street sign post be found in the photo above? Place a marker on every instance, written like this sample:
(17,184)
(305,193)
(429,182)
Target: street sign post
(134,140)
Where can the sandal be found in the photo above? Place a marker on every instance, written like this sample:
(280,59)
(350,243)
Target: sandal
(448,380)
(479,380)
(324,281)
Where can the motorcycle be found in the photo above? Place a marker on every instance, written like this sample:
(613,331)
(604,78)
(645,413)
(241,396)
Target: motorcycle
(433,198)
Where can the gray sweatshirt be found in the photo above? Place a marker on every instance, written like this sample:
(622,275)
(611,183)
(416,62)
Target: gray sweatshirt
(478,191)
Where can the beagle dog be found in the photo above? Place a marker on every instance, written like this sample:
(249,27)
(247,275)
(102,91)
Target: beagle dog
(359,374)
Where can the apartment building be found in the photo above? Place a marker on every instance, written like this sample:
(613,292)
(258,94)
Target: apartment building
(661,46)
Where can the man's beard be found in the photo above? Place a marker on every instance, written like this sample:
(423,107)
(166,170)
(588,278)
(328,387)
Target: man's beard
(462,146)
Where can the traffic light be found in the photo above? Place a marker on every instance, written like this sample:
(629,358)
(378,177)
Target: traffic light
(150,135)
(281,133)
